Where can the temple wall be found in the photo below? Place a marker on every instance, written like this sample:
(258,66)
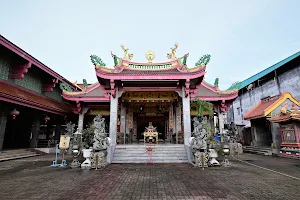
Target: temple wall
(4,68)
(288,82)
(33,79)
(55,94)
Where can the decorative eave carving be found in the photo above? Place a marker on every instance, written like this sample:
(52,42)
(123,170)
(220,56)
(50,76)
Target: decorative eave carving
(187,87)
(113,89)
(48,87)
(18,71)
(78,108)
(224,107)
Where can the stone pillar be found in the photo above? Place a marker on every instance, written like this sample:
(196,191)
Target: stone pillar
(123,121)
(187,124)
(35,128)
(221,122)
(113,125)
(186,118)
(3,121)
(276,137)
(81,119)
(178,120)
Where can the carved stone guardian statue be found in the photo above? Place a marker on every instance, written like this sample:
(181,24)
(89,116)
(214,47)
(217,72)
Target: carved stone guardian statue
(199,142)
(101,143)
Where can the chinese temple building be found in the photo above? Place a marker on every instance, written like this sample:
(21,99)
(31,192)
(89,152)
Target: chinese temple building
(133,94)
(129,95)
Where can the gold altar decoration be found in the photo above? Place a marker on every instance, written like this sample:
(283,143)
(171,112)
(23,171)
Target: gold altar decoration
(150,133)
(149,96)
(150,56)
(64,142)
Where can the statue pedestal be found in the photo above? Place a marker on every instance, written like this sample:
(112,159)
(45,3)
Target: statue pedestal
(87,155)
(213,155)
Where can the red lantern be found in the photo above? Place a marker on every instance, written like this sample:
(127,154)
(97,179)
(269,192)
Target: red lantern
(47,119)
(14,113)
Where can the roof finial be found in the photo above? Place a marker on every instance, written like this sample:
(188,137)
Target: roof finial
(172,55)
(150,55)
(126,54)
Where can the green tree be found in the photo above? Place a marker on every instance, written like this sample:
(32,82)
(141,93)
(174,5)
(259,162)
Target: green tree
(204,108)
(88,136)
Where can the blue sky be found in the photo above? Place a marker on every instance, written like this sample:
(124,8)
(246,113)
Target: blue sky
(243,37)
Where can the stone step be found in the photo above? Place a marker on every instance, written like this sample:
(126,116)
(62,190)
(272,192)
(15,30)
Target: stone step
(142,146)
(148,161)
(144,149)
(161,154)
(141,152)
(258,150)
(16,154)
(144,153)
(146,156)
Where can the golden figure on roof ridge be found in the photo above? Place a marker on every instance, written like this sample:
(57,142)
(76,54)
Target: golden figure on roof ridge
(126,54)
(172,55)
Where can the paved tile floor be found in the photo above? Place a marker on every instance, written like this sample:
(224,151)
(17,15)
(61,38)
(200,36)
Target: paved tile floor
(33,178)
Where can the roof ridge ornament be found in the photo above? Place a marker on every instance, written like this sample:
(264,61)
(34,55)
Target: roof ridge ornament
(172,55)
(97,61)
(127,56)
(150,56)
(204,60)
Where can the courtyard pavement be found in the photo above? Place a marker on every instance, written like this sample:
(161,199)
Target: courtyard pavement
(33,178)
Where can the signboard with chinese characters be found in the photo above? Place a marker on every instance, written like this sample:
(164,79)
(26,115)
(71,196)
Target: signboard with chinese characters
(64,142)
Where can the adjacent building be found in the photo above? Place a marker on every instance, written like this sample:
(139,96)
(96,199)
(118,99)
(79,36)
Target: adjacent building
(261,95)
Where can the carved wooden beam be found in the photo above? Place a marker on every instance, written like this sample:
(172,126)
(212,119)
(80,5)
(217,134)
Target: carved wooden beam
(18,71)
(48,87)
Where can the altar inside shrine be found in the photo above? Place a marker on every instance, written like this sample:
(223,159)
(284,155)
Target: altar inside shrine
(150,134)
(289,122)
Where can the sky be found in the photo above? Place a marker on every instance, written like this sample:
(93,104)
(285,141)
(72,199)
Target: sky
(243,36)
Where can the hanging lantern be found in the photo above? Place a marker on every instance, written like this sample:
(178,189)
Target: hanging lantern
(47,119)
(14,113)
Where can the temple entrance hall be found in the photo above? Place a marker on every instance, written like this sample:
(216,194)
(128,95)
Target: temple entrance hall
(159,122)
(140,109)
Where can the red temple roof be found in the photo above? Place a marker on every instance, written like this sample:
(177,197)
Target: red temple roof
(17,95)
(93,93)
(207,92)
(267,105)
(128,70)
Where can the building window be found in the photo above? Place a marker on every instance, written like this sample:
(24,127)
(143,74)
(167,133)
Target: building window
(239,110)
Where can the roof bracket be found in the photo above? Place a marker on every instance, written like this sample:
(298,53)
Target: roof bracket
(18,71)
